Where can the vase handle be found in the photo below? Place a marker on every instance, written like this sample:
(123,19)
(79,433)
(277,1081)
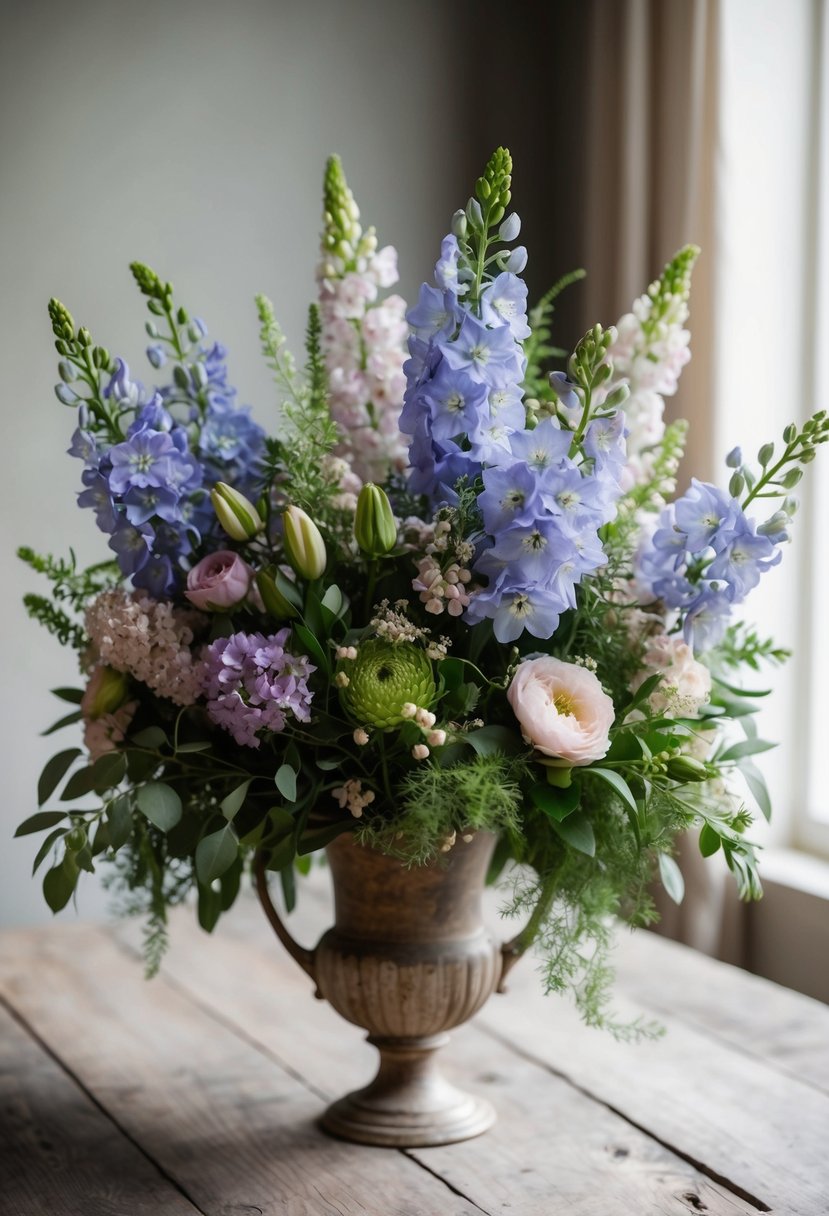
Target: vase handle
(305,958)
(511,952)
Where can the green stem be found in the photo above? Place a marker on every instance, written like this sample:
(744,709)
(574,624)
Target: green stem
(546,898)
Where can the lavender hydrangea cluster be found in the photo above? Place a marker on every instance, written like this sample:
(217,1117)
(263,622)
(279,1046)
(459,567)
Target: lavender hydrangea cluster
(544,495)
(705,556)
(251,683)
(150,490)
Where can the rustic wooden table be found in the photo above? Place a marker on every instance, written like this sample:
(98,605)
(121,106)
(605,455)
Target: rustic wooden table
(198,1092)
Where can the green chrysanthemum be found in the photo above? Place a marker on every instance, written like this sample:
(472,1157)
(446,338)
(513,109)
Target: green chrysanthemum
(382,679)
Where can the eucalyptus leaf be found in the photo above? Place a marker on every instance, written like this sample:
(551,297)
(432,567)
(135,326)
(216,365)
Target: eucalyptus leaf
(209,908)
(152,737)
(119,821)
(285,781)
(231,804)
(490,740)
(756,782)
(286,878)
(215,854)
(160,803)
(201,746)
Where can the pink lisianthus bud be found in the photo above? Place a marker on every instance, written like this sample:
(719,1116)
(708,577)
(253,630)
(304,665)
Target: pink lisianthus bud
(563,710)
(219,581)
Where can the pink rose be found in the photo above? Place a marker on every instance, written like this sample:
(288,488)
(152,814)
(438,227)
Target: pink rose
(219,581)
(562,708)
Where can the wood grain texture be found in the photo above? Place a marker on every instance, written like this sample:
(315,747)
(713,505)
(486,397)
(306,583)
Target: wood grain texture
(60,1154)
(553,1149)
(230,1125)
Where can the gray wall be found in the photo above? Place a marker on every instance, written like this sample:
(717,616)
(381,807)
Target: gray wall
(191,135)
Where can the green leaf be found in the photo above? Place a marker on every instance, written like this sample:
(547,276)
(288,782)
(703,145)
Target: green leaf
(53,773)
(73,695)
(231,804)
(209,908)
(748,747)
(312,646)
(48,843)
(215,854)
(618,783)
(328,763)
(756,782)
(303,865)
(490,740)
(671,876)
(643,692)
(626,746)
(281,854)
(60,882)
(709,840)
(202,746)
(229,884)
(107,771)
(285,781)
(555,802)
(317,838)
(152,738)
(577,831)
(286,878)
(59,725)
(333,605)
(160,803)
(119,821)
(37,823)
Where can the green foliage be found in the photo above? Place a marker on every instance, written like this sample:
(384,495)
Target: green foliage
(538,348)
(82,369)
(741,646)
(71,587)
(674,284)
(480,794)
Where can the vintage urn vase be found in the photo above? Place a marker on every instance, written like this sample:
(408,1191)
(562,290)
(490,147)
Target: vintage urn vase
(408,958)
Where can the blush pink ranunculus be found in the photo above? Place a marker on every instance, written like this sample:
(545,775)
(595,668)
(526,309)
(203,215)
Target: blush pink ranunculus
(562,708)
(219,581)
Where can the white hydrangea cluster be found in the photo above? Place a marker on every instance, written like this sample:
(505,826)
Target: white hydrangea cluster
(148,639)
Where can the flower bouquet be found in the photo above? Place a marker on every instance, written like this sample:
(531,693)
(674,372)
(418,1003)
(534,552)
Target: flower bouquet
(447,601)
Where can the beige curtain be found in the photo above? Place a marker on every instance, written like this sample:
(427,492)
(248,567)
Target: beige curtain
(652,135)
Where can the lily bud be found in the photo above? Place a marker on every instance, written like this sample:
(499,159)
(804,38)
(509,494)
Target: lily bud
(304,546)
(374,528)
(237,514)
(276,604)
(687,768)
(105,692)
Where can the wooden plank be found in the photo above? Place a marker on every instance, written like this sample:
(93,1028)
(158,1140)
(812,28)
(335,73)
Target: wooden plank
(59,1153)
(553,1150)
(784,1028)
(229,1125)
(763,1131)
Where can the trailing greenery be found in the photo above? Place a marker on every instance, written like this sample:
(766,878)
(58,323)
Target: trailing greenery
(440,804)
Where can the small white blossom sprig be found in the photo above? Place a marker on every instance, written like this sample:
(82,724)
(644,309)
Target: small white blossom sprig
(393,624)
(425,719)
(443,573)
(352,796)
(363,337)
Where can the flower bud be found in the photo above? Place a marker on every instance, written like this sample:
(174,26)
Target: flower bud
(374,528)
(276,604)
(510,228)
(734,458)
(237,514)
(304,546)
(687,768)
(459,224)
(106,691)
(517,260)
(65,394)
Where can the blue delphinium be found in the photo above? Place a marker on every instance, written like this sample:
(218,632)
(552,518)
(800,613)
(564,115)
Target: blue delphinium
(150,491)
(705,556)
(546,491)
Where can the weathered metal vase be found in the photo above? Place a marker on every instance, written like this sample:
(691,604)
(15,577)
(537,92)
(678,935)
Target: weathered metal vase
(408,958)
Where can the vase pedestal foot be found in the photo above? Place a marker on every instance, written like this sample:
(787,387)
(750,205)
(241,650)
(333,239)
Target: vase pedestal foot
(409,1104)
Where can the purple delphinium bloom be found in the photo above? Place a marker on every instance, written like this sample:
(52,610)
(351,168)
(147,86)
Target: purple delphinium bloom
(252,684)
(131,546)
(97,496)
(505,300)
(143,460)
